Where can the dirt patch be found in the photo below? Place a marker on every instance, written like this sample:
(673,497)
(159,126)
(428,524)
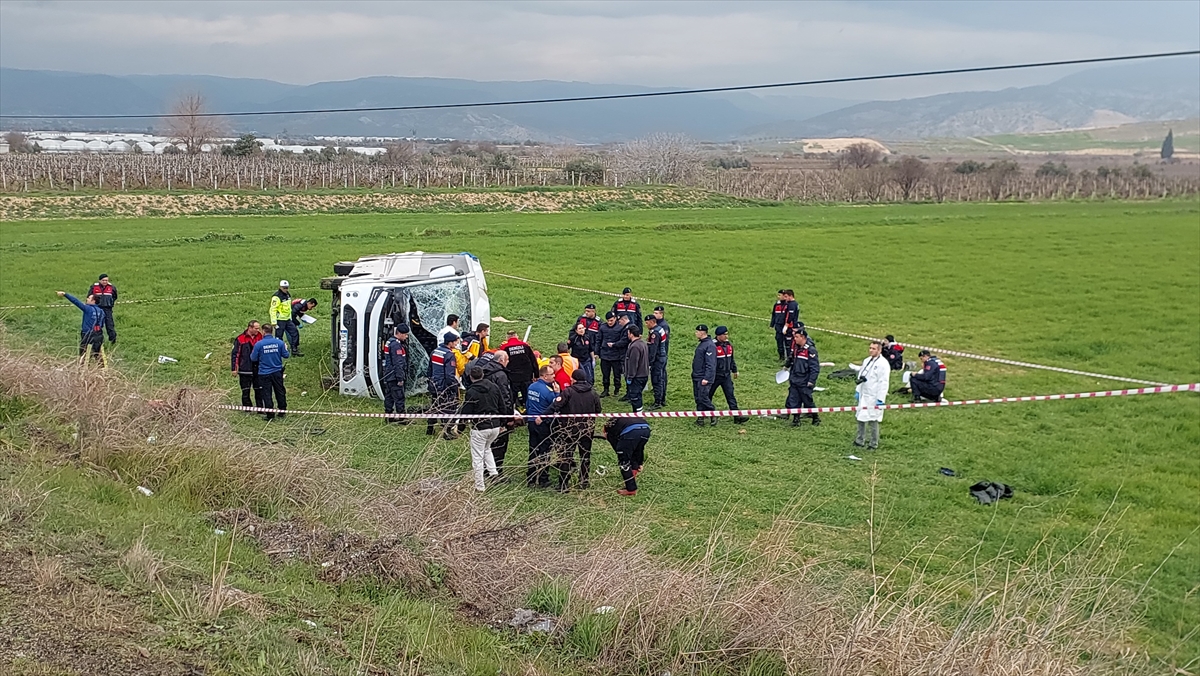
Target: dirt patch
(56,622)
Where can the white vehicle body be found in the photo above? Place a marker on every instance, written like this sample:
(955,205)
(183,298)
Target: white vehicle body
(375,293)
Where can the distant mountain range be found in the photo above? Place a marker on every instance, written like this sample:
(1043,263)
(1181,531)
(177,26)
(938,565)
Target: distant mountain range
(1155,90)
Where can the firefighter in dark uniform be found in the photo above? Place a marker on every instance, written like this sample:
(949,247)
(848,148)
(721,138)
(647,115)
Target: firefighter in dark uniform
(930,382)
(657,343)
(395,373)
(106,296)
(628,308)
(704,373)
(803,368)
(726,372)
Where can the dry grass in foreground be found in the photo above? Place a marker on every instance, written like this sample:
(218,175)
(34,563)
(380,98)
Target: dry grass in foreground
(1051,611)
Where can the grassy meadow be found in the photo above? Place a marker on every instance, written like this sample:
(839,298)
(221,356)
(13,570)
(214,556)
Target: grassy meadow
(1103,287)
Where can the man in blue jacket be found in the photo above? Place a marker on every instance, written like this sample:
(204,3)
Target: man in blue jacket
(443,385)
(613,341)
(538,400)
(704,372)
(656,341)
(269,354)
(803,368)
(91,330)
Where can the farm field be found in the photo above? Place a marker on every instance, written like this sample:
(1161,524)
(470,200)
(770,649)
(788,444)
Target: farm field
(1102,287)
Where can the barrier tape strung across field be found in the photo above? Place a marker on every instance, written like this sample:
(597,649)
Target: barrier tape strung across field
(938,350)
(741,413)
(144,300)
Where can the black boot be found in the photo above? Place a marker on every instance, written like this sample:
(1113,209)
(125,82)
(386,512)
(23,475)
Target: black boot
(796,420)
(816,420)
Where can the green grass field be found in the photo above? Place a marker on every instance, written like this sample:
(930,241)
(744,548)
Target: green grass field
(1110,288)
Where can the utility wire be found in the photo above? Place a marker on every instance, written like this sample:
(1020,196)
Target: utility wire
(638,95)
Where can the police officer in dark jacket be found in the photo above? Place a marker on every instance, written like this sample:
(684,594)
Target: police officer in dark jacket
(930,381)
(443,385)
(106,296)
(613,341)
(777,323)
(395,373)
(628,437)
(704,373)
(591,326)
(656,342)
(803,368)
(628,308)
(727,371)
(493,365)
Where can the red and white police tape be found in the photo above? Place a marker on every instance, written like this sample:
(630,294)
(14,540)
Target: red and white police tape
(749,412)
(145,300)
(938,350)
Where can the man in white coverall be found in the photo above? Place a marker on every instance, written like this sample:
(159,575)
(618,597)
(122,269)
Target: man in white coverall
(871,392)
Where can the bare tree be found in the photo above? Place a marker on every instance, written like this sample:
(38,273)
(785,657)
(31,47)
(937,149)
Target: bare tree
(907,173)
(861,155)
(940,179)
(189,125)
(998,174)
(400,154)
(865,183)
(18,143)
(658,158)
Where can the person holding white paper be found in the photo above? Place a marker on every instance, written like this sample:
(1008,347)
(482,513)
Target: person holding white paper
(871,393)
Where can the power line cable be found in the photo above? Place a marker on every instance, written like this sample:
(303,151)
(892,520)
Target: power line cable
(637,95)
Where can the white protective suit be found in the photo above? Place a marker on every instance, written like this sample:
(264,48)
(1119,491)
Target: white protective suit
(877,371)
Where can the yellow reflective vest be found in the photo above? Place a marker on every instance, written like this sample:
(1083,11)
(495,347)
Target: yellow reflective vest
(280,310)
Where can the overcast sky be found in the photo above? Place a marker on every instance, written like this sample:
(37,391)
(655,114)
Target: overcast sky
(685,44)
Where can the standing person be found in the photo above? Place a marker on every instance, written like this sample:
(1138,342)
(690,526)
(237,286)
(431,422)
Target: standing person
(575,433)
(591,324)
(443,386)
(91,331)
(930,382)
(583,349)
(280,314)
(704,372)
(268,354)
(562,379)
(790,321)
(475,343)
(613,341)
(243,366)
(637,367)
(522,366)
(106,296)
(450,327)
(395,373)
(778,314)
(493,365)
(656,346)
(726,373)
(665,326)
(538,400)
(871,392)
(803,368)
(628,437)
(570,363)
(300,307)
(628,308)
(483,397)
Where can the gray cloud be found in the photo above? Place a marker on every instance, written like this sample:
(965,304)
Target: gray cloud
(657,44)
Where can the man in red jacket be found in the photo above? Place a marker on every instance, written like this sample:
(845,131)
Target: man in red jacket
(106,296)
(242,367)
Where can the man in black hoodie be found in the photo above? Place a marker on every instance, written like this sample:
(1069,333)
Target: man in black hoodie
(575,433)
(483,397)
(493,365)
(613,341)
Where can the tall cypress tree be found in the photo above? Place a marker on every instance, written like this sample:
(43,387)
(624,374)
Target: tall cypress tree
(1168,146)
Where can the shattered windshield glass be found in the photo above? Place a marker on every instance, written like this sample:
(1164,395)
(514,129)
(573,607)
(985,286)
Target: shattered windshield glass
(429,306)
